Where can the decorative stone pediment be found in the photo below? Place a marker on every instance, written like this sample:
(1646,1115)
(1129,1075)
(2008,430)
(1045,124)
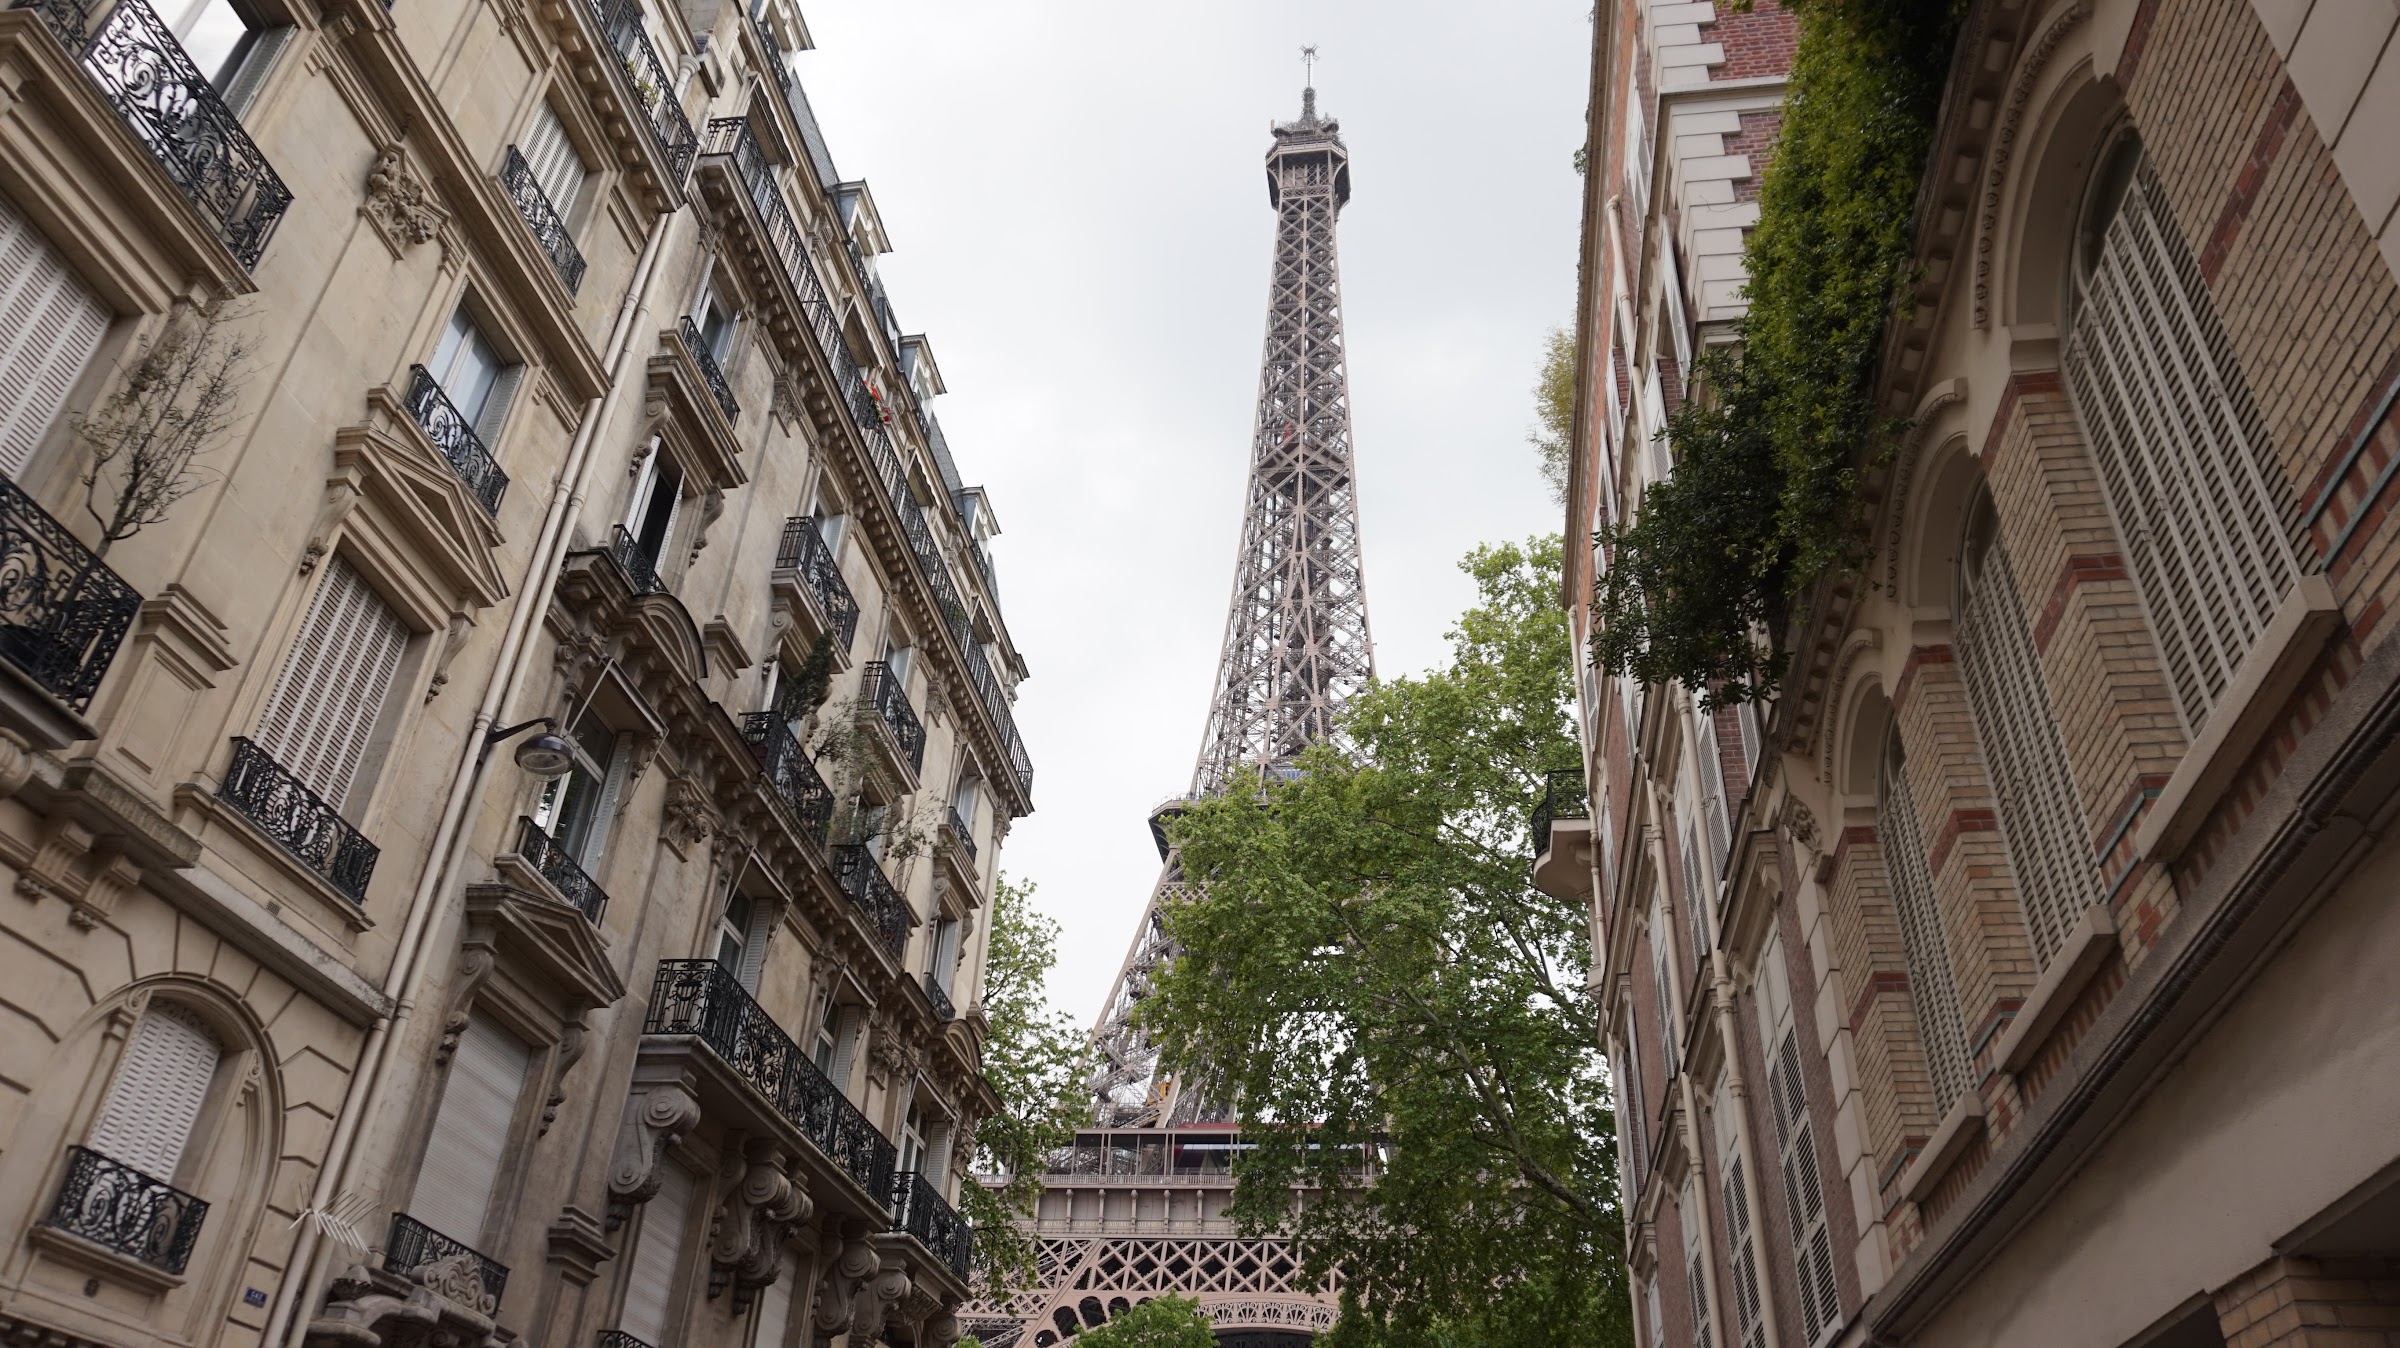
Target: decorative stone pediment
(679,405)
(440,1305)
(416,499)
(544,941)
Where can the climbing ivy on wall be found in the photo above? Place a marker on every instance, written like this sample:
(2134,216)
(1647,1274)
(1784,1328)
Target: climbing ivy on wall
(1768,446)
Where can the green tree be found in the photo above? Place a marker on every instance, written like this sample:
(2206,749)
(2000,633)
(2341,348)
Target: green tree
(1030,1060)
(1164,1322)
(1554,409)
(1402,1015)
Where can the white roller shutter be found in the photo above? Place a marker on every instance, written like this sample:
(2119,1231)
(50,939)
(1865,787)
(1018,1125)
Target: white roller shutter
(50,324)
(156,1098)
(334,683)
(775,1304)
(463,1158)
(650,1279)
(557,169)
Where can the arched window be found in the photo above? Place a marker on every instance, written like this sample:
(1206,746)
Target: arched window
(1930,988)
(2018,730)
(2181,452)
(155,1102)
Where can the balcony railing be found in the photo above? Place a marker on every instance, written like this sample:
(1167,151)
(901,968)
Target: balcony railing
(550,860)
(1562,799)
(298,819)
(618,1338)
(711,373)
(177,114)
(920,1211)
(855,870)
(963,831)
(882,690)
(414,1246)
(647,79)
(455,437)
(785,765)
(63,613)
(542,217)
(804,551)
(641,569)
(943,1008)
(114,1205)
(701,998)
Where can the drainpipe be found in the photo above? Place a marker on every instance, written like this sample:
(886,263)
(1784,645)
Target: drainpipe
(403,981)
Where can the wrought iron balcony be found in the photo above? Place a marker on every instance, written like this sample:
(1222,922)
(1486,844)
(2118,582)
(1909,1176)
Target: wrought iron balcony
(452,434)
(298,819)
(785,765)
(703,999)
(647,80)
(114,1205)
(920,1211)
(641,569)
(63,613)
(963,831)
(135,62)
(1562,799)
(710,371)
(542,217)
(855,870)
(618,1338)
(882,690)
(543,853)
(804,551)
(457,1270)
(943,1008)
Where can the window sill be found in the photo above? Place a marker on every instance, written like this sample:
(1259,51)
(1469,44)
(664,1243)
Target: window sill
(2078,958)
(1962,1125)
(2244,714)
(101,1261)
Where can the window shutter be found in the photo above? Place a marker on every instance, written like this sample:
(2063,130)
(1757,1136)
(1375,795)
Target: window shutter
(658,1255)
(1751,1331)
(1695,1255)
(469,1147)
(754,944)
(1804,1192)
(845,1049)
(496,403)
(334,683)
(1701,1334)
(1666,998)
(604,811)
(256,64)
(557,169)
(1695,896)
(1930,989)
(155,1101)
(50,324)
(775,1304)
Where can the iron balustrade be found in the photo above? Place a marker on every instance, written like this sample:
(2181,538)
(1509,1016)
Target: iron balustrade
(963,831)
(542,217)
(785,765)
(711,373)
(732,138)
(63,613)
(883,690)
(943,1008)
(856,871)
(805,552)
(455,437)
(618,1338)
(919,1211)
(551,862)
(640,568)
(414,1246)
(137,64)
(298,819)
(1562,798)
(113,1205)
(702,999)
(647,81)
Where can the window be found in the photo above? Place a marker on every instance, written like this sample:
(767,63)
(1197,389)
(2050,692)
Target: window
(576,809)
(1930,988)
(50,324)
(775,1303)
(468,1149)
(330,696)
(229,41)
(1695,1262)
(743,928)
(1695,902)
(2183,459)
(836,1044)
(715,321)
(658,1256)
(657,500)
(162,1083)
(827,1039)
(1796,1146)
(912,1139)
(830,519)
(1658,976)
(2040,816)
(1639,1131)
(1741,1243)
(942,951)
(896,657)
(557,169)
(474,376)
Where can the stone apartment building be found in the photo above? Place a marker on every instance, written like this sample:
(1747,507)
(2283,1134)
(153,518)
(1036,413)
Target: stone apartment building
(500,853)
(2023,973)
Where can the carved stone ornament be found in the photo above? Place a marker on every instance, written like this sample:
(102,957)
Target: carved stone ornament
(457,1278)
(655,1119)
(746,1248)
(892,1059)
(573,1038)
(845,1274)
(399,204)
(1798,822)
(688,819)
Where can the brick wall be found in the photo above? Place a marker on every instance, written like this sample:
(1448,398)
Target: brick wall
(1757,43)
(1871,987)
(1755,142)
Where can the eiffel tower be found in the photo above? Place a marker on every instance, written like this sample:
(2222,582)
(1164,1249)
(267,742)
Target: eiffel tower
(1131,1210)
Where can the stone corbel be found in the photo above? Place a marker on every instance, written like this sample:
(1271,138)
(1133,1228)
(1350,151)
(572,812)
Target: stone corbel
(573,1037)
(655,1119)
(688,819)
(852,1267)
(712,507)
(113,873)
(872,1304)
(745,1252)
(453,641)
(474,970)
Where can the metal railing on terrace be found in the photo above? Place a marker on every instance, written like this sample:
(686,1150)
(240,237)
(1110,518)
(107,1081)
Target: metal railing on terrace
(857,873)
(883,690)
(541,216)
(63,613)
(551,862)
(298,819)
(711,373)
(1562,798)
(803,550)
(455,437)
(647,81)
(785,765)
(413,1246)
(920,1212)
(113,1205)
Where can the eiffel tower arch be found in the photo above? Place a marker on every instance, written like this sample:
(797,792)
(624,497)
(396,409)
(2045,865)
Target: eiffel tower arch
(1133,1209)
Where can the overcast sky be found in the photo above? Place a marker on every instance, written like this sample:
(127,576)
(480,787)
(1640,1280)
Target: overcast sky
(1076,199)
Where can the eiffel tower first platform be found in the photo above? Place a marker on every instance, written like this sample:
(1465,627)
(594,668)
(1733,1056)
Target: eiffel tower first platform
(1133,1208)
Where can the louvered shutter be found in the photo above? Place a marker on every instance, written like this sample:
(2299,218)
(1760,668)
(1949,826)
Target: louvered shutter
(1702,1335)
(1749,1328)
(754,945)
(1658,975)
(50,324)
(1695,1257)
(334,683)
(1804,1191)
(1638,1167)
(255,65)
(1931,991)
(775,1304)
(846,1049)
(469,1146)
(2182,454)
(557,169)
(604,810)
(658,1255)
(494,414)
(162,1081)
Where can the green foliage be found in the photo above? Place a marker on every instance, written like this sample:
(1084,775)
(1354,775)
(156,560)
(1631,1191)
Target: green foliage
(1402,1015)
(1777,428)
(1030,1061)
(1554,405)
(1163,1322)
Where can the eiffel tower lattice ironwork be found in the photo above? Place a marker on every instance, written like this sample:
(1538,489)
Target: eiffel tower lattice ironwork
(1132,1209)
